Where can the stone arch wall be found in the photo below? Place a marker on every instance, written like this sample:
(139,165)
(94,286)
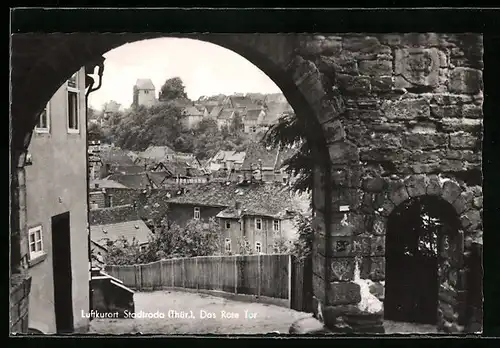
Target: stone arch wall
(453,271)
(42,62)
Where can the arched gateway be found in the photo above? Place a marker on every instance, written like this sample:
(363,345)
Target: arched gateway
(384,114)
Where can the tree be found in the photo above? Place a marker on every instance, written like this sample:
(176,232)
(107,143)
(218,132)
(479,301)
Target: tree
(94,132)
(286,133)
(172,89)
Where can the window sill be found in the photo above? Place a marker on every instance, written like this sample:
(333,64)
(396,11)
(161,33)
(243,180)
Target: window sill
(73,131)
(42,130)
(37,260)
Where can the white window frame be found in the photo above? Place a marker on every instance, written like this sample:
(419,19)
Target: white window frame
(228,224)
(32,232)
(258,247)
(227,243)
(47,115)
(75,90)
(258,221)
(274,225)
(196,213)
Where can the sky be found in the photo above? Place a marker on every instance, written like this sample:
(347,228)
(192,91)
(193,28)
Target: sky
(205,68)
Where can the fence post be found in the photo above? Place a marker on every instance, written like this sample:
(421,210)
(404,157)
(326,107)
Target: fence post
(161,276)
(259,274)
(289,281)
(235,275)
(183,272)
(171,262)
(197,273)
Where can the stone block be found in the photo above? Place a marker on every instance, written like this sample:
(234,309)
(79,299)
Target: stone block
(343,63)
(472,111)
(424,141)
(417,66)
(343,293)
(462,140)
(433,185)
(361,246)
(406,109)
(447,295)
(377,271)
(342,269)
(461,125)
(478,202)
(386,208)
(446,111)
(416,185)
(375,67)
(374,184)
(464,202)
(382,83)
(379,226)
(471,220)
(342,246)
(466,80)
(391,127)
(359,85)
(451,191)
(334,131)
(377,247)
(343,153)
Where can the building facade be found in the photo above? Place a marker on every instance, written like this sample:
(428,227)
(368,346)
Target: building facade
(57,213)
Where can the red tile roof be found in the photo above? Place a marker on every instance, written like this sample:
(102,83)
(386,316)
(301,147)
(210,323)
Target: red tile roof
(131,230)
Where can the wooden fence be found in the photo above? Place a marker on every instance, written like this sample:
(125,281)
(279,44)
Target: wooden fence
(276,276)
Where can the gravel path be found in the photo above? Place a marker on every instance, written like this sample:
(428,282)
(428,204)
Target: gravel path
(222,316)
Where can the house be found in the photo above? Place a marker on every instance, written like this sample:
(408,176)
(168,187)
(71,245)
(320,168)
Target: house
(191,116)
(225,118)
(56,211)
(226,160)
(144,93)
(252,120)
(262,213)
(157,154)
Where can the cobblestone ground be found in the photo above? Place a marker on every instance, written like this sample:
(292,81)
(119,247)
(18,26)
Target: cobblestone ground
(268,318)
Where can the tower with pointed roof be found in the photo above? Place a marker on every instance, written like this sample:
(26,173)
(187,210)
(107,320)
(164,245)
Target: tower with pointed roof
(144,93)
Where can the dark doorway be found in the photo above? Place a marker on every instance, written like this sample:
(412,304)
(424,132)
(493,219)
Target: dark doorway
(414,237)
(61,264)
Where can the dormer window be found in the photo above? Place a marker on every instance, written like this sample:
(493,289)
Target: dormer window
(197,213)
(258,224)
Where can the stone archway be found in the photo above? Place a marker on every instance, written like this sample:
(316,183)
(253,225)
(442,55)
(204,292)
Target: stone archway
(42,62)
(453,267)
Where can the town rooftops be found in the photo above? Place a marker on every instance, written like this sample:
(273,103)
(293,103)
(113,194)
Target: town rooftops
(192,111)
(144,84)
(105,183)
(138,181)
(239,101)
(131,230)
(255,199)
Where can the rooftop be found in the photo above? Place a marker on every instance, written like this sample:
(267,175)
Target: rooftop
(106,183)
(255,198)
(131,230)
(253,115)
(145,84)
(114,155)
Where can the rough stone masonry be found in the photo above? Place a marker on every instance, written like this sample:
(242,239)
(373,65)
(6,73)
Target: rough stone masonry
(401,116)
(410,124)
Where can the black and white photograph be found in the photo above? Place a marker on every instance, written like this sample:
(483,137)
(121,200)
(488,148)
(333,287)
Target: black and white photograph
(274,184)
